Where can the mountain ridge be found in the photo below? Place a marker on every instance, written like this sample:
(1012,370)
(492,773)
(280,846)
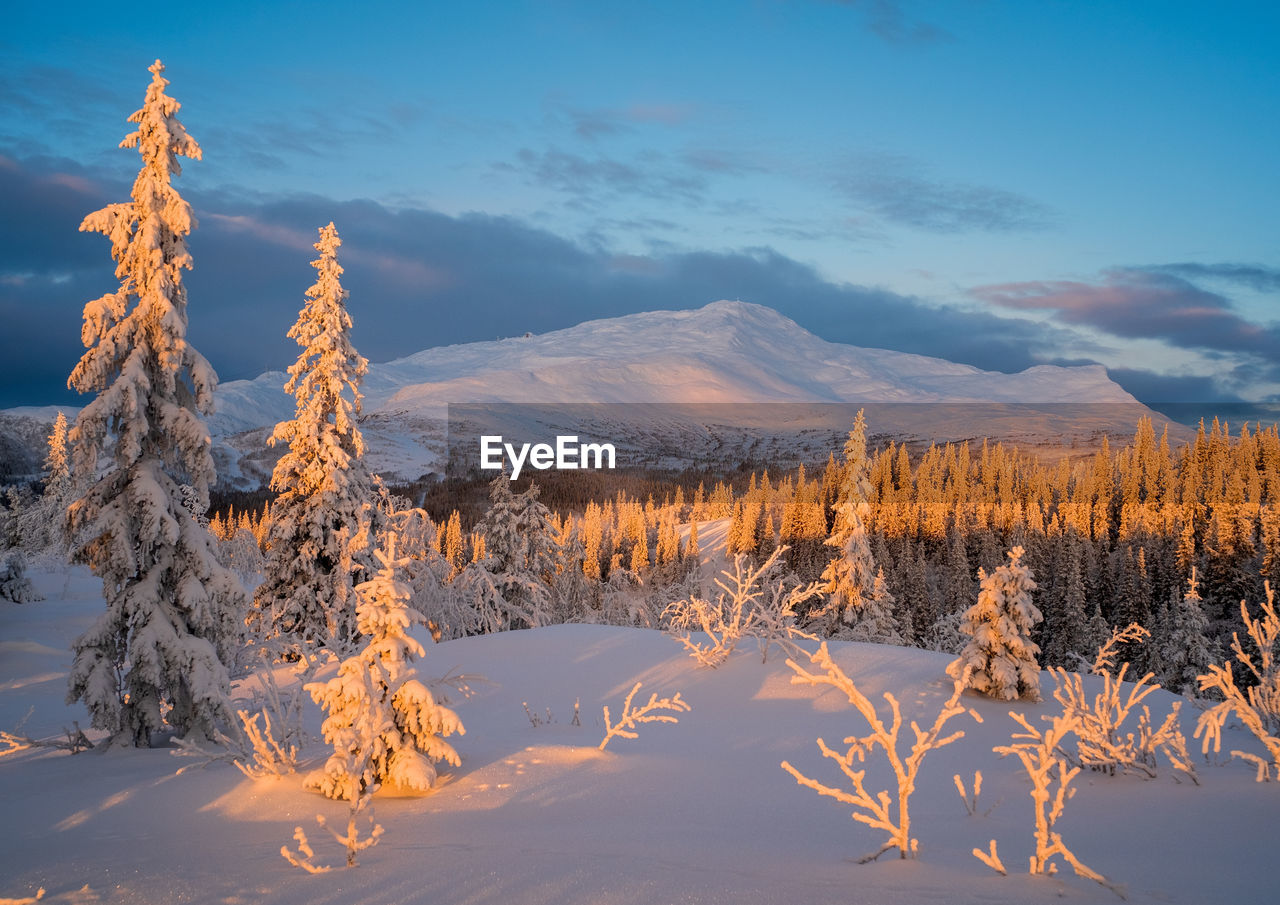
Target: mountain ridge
(724,352)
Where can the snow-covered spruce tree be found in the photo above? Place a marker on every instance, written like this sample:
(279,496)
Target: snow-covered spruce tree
(322,520)
(1183,635)
(383,722)
(58,485)
(875,620)
(41,524)
(1000,656)
(851,576)
(156,656)
(519,561)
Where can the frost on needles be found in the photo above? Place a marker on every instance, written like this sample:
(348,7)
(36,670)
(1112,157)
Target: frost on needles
(1000,658)
(156,657)
(324,515)
(383,722)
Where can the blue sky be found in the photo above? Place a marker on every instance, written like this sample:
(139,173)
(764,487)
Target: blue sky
(1000,183)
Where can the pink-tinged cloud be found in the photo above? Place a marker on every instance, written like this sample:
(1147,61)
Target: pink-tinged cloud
(268,232)
(1141,304)
(75,183)
(406,272)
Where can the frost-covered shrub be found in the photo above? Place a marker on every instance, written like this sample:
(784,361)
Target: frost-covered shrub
(877,810)
(1107,739)
(753,602)
(1050,777)
(1258,706)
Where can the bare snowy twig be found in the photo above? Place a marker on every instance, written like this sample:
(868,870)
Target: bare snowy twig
(970,804)
(629,719)
(460,682)
(538,719)
(877,811)
(73,741)
(1257,707)
(350,840)
(1105,661)
(1051,779)
(991,859)
(305,856)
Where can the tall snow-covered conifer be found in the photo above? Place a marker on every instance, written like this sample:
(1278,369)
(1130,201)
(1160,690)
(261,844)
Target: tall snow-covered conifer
(851,576)
(156,656)
(324,516)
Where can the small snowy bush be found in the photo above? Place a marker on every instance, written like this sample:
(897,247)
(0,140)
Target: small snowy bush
(14,583)
(1103,744)
(753,602)
(1000,657)
(383,722)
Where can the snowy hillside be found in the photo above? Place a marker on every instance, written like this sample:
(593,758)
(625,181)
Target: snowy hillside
(699,811)
(724,353)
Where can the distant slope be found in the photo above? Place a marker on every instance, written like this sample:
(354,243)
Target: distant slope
(725,352)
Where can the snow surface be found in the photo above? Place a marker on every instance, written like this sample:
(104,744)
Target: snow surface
(696,812)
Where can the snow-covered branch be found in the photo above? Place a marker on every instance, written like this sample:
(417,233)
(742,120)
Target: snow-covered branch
(1051,778)
(630,718)
(1105,661)
(876,810)
(752,602)
(1258,707)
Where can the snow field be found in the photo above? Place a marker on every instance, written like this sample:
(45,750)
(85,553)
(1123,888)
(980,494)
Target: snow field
(696,812)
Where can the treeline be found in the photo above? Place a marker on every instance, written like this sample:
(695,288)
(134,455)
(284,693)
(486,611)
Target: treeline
(1111,539)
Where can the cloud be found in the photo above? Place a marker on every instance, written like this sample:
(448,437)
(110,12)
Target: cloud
(1139,303)
(887,19)
(419,278)
(1253,276)
(605,122)
(1154,388)
(896,189)
(592,181)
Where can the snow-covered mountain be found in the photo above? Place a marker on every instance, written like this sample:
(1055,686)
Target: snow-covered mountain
(726,352)
(723,352)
